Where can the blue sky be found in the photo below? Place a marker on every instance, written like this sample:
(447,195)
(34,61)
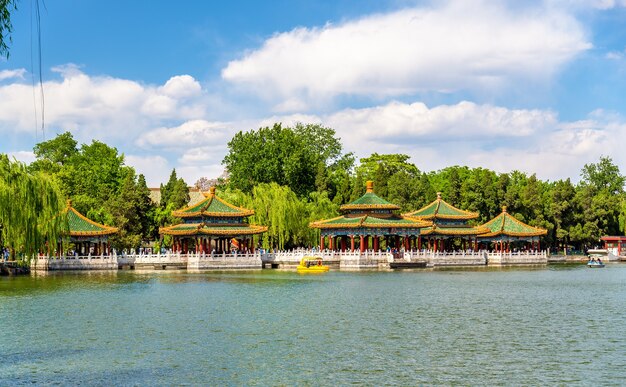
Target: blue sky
(537,87)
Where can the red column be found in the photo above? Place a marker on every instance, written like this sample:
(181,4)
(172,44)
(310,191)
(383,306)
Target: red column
(376,243)
(343,244)
(352,243)
(362,246)
(538,245)
(321,242)
(397,244)
(331,242)
(406,243)
(419,242)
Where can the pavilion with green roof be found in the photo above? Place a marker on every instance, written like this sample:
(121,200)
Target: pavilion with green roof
(504,229)
(212,225)
(88,237)
(448,223)
(368,218)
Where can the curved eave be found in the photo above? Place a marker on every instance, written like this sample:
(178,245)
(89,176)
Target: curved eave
(324,224)
(531,231)
(113,230)
(181,214)
(184,213)
(462,231)
(470,216)
(514,234)
(201,230)
(347,207)
(104,230)
(463,215)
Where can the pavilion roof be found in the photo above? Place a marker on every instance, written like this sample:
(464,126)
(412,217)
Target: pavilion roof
(206,229)
(212,206)
(80,225)
(369,201)
(370,221)
(505,224)
(440,209)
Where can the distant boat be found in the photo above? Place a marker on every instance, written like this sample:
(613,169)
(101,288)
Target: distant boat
(311,265)
(595,264)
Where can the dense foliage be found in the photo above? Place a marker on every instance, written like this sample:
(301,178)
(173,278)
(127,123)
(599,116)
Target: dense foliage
(291,157)
(101,187)
(291,177)
(28,220)
(574,215)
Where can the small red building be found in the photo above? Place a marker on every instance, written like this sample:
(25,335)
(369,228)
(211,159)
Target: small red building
(615,244)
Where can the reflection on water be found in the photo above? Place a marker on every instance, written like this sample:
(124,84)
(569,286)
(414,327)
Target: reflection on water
(530,326)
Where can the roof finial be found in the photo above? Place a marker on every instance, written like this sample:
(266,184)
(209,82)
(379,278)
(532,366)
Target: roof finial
(503,208)
(69,202)
(212,190)
(370,186)
(438,195)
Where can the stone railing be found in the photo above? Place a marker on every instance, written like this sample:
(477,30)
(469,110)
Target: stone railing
(517,258)
(75,262)
(224,261)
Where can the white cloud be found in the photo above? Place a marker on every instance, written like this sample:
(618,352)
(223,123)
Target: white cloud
(594,4)
(465,121)
(23,156)
(494,137)
(181,86)
(189,134)
(11,74)
(99,106)
(156,169)
(191,174)
(459,45)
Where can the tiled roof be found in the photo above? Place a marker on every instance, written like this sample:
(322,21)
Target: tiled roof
(212,206)
(505,224)
(79,225)
(440,209)
(369,201)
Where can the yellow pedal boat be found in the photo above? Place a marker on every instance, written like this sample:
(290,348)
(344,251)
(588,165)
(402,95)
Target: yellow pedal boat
(311,265)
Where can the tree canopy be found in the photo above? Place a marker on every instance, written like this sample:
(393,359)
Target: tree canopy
(293,176)
(30,205)
(282,155)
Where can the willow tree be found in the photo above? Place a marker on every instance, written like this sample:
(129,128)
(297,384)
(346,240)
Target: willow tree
(30,205)
(278,208)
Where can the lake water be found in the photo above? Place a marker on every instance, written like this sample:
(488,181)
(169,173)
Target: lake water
(555,325)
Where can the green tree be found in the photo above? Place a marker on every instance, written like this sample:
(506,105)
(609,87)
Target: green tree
(380,167)
(30,205)
(6,27)
(561,210)
(598,200)
(289,157)
(52,155)
(174,193)
(603,176)
(278,208)
(125,211)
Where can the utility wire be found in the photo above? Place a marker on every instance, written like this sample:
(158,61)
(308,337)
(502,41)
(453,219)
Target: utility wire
(32,71)
(43,104)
